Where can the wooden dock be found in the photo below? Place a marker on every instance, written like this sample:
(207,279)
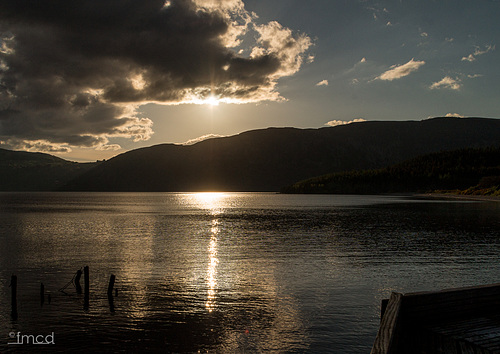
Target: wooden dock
(462,321)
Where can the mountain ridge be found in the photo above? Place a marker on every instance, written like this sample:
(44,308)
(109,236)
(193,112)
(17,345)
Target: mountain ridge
(268,159)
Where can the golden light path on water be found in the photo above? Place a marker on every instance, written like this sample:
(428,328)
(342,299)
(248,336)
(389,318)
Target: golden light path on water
(251,279)
(212,267)
(212,201)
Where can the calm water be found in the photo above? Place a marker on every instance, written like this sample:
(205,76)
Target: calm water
(230,272)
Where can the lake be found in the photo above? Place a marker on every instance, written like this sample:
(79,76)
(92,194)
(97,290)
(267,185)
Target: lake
(229,272)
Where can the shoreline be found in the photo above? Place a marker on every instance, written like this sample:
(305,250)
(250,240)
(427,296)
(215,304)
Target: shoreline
(483,198)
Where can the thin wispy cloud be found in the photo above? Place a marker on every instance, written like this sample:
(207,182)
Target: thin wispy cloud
(202,138)
(334,123)
(357,66)
(399,71)
(322,83)
(470,58)
(447,83)
(74,73)
(477,52)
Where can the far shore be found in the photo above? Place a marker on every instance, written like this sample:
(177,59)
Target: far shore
(459,196)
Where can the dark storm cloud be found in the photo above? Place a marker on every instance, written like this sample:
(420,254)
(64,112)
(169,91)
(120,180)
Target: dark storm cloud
(73,72)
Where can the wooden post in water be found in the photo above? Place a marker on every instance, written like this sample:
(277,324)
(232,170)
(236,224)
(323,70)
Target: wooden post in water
(110,293)
(13,285)
(42,294)
(111,285)
(86,280)
(77,281)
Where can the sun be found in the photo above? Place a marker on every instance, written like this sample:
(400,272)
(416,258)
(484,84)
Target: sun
(211,100)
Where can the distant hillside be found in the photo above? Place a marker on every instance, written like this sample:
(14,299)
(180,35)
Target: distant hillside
(30,171)
(268,159)
(451,170)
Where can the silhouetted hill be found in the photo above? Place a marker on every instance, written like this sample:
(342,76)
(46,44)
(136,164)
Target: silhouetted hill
(450,170)
(268,159)
(33,171)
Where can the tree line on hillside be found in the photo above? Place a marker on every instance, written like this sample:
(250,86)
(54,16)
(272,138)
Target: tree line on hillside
(28,171)
(474,170)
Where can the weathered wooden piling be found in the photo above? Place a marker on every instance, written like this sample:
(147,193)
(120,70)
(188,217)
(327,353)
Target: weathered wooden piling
(77,281)
(111,303)
(110,293)
(86,280)
(13,285)
(42,294)
(111,285)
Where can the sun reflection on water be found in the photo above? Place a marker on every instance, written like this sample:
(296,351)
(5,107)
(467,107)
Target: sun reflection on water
(212,267)
(215,203)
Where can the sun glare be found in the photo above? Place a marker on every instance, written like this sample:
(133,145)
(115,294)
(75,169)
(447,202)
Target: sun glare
(211,100)
(215,202)
(209,200)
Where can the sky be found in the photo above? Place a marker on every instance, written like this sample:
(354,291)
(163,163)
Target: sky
(86,80)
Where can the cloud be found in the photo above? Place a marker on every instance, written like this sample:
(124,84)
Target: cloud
(447,83)
(279,43)
(75,72)
(322,83)
(334,123)
(487,49)
(397,72)
(113,147)
(477,52)
(470,58)
(202,138)
(454,115)
(34,145)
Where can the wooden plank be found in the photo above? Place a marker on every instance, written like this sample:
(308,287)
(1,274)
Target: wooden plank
(462,327)
(469,348)
(453,303)
(491,339)
(387,336)
(477,336)
(441,311)
(483,335)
